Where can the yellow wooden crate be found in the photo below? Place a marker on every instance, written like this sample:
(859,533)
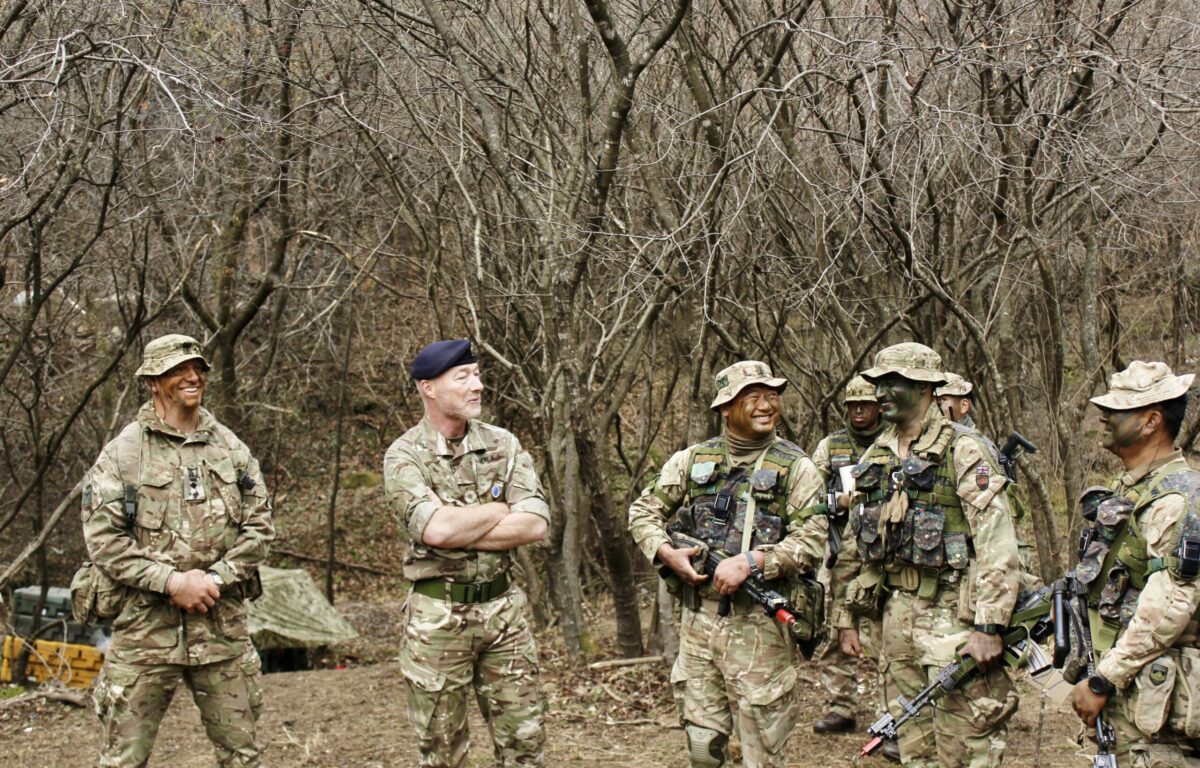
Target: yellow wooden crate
(74,665)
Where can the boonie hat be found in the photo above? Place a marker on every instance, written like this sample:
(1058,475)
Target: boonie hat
(166,352)
(955,386)
(911,360)
(859,390)
(435,359)
(1143,384)
(738,376)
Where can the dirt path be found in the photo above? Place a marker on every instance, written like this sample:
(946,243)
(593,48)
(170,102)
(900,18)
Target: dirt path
(354,718)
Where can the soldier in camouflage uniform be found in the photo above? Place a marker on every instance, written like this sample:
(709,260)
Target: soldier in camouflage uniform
(466,496)
(936,546)
(838,450)
(954,400)
(176,521)
(1140,567)
(744,656)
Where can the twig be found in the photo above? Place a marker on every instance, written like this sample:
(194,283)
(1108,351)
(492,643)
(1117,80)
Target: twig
(341,563)
(611,663)
(74,698)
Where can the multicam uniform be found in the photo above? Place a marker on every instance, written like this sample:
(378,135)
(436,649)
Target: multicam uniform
(200,504)
(940,547)
(1145,616)
(839,672)
(465,624)
(745,656)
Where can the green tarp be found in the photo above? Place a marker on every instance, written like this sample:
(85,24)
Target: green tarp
(293,613)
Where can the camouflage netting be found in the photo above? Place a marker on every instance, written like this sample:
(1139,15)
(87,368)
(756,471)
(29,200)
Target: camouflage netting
(293,613)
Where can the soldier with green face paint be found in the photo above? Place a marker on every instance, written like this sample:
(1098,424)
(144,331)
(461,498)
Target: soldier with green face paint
(753,496)
(1139,563)
(936,552)
(954,400)
(837,451)
(176,521)
(466,495)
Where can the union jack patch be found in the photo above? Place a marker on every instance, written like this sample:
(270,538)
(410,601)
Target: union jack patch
(983,476)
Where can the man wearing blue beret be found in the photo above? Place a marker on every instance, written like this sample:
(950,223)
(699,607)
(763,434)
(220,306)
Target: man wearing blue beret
(466,496)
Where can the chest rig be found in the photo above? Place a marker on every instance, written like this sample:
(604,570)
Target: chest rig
(718,496)
(1114,559)
(932,533)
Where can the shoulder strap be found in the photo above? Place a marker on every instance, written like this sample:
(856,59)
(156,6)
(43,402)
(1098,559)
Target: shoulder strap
(128,447)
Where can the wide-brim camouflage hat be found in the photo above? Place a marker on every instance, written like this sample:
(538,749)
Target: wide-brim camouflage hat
(859,390)
(166,352)
(738,376)
(1143,384)
(955,386)
(911,360)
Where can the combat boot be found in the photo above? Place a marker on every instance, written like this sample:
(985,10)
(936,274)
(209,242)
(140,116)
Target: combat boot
(832,722)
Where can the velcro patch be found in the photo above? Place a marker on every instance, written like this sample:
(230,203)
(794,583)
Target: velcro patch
(983,477)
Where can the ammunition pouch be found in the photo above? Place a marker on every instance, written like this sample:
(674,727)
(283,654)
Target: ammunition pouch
(919,473)
(807,596)
(95,596)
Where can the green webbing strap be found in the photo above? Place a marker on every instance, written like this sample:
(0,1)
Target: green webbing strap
(462,593)
(751,505)
(1156,564)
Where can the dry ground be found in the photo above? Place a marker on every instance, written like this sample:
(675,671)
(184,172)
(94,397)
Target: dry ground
(354,717)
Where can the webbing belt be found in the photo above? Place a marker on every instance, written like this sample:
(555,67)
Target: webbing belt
(462,593)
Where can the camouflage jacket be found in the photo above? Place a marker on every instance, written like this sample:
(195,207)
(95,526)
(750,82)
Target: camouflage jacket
(222,524)
(799,551)
(1168,603)
(488,464)
(996,563)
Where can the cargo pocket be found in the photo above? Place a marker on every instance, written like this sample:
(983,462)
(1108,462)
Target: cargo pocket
(425,686)
(1154,685)
(154,499)
(252,672)
(113,688)
(94,595)
(1185,702)
(223,479)
(772,707)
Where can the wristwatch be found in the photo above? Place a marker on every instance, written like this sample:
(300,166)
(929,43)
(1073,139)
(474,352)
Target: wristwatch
(754,570)
(989,629)
(1100,685)
(216,577)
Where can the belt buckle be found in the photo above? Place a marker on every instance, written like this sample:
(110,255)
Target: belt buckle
(475,593)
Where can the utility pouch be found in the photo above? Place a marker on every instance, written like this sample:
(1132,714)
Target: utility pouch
(919,473)
(868,477)
(1111,515)
(1091,499)
(1154,685)
(1112,594)
(768,529)
(762,484)
(1184,716)
(928,523)
(866,593)
(807,596)
(95,596)
(871,546)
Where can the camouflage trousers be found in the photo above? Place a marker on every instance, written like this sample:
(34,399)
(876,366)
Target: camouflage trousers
(968,728)
(745,658)
(453,648)
(839,672)
(1140,703)
(131,699)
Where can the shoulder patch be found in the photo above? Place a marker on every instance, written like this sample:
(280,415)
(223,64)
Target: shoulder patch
(983,476)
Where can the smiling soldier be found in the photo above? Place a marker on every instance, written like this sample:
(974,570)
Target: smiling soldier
(752,495)
(935,545)
(176,521)
(467,496)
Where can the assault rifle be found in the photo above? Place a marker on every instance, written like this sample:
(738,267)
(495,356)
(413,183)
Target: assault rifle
(1014,446)
(1031,624)
(1071,617)
(836,520)
(774,604)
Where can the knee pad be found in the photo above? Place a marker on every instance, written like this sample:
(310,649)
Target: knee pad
(706,747)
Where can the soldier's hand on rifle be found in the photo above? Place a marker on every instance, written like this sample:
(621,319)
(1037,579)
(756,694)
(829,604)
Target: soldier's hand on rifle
(843,501)
(850,643)
(680,561)
(733,571)
(192,591)
(987,650)
(1087,704)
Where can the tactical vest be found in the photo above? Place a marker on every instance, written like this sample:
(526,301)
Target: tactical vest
(1114,561)
(711,478)
(933,533)
(843,450)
